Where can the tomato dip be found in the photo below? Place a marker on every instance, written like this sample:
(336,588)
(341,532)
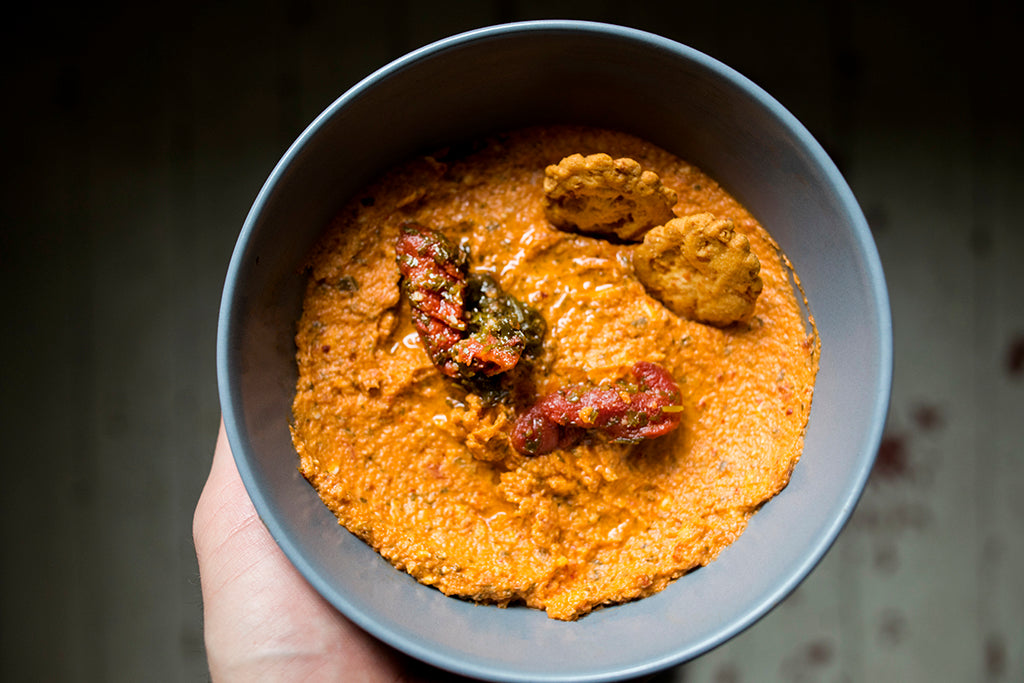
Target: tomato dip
(421,466)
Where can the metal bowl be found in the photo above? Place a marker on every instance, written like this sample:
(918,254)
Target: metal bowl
(501,78)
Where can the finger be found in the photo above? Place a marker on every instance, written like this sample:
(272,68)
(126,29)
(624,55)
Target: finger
(225,512)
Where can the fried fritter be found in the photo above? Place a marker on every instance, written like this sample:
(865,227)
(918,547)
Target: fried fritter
(601,195)
(700,268)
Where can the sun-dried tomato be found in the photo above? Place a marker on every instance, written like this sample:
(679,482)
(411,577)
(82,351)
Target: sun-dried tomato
(644,405)
(467,324)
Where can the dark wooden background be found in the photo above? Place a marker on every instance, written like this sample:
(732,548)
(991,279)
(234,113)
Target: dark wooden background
(136,136)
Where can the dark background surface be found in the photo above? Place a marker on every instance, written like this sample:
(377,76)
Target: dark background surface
(136,138)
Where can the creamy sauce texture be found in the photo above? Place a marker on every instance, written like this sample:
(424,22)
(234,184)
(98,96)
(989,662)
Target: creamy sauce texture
(422,470)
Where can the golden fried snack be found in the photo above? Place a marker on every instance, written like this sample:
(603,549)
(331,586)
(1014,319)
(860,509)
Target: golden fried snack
(598,194)
(700,268)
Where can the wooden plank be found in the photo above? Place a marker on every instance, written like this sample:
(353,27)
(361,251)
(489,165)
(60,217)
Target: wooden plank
(997,243)
(998,393)
(134,299)
(45,277)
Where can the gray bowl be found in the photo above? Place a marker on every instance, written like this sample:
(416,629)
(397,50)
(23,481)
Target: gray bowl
(499,78)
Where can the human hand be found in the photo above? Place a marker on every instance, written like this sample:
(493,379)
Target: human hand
(262,620)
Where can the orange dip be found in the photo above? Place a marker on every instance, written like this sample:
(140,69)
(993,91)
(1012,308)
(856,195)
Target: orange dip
(423,471)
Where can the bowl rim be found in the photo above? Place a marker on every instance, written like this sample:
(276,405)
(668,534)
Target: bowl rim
(861,235)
